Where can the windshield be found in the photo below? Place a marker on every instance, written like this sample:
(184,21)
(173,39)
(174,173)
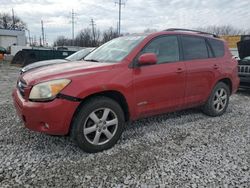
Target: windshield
(79,55)
(115,50)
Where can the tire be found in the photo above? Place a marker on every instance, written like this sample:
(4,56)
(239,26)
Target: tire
(98,124)
(217,102)
(30,58)
(19,58)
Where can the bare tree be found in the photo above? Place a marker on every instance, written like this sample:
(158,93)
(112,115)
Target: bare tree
(6,22)
(109,35)
(224,30)
(149,30)
(85,38)
(98,34)
(62,41)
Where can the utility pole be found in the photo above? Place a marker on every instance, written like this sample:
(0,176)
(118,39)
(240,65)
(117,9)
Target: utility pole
(73,24)
(120,3)
(43,41)
(40,41)
(92,23)
(13,19)
(117,28)
(29,36)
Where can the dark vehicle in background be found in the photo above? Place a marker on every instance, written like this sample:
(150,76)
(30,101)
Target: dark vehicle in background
(2,52)
(79,55)
(244,63)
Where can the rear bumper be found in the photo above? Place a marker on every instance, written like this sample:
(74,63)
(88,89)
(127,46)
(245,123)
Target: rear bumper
(49,117)
(235,85)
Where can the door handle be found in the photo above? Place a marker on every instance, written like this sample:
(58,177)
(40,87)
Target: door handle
(216,66)
(179,70)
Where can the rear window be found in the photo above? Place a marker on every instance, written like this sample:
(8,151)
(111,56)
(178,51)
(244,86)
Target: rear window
(194,48)
(217,46)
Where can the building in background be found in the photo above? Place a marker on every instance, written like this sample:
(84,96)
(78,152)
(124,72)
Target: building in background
(232,41)
(12,37)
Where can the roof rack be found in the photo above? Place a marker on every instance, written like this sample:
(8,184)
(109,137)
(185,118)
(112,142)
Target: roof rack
(191,30)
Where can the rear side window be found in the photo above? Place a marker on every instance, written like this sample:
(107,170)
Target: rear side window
(194,48)
(217,46)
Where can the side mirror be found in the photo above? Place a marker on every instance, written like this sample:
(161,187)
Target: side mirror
(147,59)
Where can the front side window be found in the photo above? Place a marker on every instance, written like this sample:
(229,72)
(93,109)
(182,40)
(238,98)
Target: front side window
(115,50)
(166,49)
(194,48)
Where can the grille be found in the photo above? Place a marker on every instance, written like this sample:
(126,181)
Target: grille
(244,69)
(21,85)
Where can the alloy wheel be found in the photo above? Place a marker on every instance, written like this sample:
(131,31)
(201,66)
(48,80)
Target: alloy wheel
(100,126)
(220,100)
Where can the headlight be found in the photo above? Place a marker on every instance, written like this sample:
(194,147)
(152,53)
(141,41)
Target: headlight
(48,90)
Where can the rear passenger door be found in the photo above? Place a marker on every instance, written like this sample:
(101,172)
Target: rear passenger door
(202,69)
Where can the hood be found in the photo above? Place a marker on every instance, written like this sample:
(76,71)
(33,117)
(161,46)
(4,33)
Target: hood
(244,48)
(42,64)
(67,70)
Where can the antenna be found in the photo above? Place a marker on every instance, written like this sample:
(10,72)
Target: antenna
(120,3)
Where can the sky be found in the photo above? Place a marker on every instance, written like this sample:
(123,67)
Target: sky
(137,15)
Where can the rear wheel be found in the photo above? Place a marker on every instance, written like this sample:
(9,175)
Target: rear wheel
(98,125)
(218,100)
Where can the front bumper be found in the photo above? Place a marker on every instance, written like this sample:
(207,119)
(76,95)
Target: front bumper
(244,81)
(52,117)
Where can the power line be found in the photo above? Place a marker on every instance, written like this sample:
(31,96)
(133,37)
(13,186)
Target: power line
(120,3)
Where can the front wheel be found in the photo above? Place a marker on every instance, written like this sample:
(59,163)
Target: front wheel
(98,125)
(218,101)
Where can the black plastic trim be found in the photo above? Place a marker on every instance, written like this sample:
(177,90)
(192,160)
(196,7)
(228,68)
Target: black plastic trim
(191,30)
(67,97)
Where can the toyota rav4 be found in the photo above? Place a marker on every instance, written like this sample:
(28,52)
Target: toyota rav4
(125,79)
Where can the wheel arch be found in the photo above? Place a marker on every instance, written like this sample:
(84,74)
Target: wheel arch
(228,82)
(115,95)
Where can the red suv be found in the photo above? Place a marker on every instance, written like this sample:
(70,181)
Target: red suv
(125,79)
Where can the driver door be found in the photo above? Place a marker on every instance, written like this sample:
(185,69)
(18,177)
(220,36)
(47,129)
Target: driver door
(160,87)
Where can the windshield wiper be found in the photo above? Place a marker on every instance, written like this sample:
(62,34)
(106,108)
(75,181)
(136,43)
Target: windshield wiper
(92,60)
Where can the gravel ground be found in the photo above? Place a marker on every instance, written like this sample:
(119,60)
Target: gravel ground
(183,149)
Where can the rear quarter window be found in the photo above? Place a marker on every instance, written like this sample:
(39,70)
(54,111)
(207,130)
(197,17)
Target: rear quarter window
(217,47)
